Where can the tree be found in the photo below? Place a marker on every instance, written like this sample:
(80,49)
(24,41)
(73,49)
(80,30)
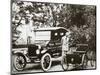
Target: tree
(80,19)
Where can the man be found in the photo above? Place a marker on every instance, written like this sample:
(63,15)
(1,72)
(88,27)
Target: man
(65,43)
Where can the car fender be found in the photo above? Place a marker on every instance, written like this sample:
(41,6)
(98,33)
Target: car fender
(25,56)
(20,50)
(43,51)
(20,54)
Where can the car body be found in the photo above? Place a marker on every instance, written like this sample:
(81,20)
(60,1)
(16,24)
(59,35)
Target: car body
(47,46)
(76,56)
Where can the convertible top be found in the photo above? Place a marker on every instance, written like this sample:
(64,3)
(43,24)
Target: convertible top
(50,29)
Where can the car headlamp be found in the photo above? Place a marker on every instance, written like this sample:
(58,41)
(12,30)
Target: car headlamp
(25,52)
(37,51)
(39,47)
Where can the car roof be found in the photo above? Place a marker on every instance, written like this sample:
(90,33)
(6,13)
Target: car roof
(50,29)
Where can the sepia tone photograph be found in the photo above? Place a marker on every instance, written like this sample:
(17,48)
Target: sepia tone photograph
(52,37)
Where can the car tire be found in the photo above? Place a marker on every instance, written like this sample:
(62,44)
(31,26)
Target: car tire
(84,61)
(64,63)
(46,62)
(19,62)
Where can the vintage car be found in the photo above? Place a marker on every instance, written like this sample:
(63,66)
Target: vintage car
(46,48)
(76,56)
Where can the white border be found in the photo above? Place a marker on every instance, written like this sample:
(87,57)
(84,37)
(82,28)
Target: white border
(5,37)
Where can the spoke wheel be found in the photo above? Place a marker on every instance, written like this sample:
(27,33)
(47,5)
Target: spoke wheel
(91,55)
(46,62)
(64,63)
(84,62)
(19,62)
(92,61)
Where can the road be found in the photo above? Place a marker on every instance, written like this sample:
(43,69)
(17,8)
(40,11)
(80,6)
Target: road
(56,66)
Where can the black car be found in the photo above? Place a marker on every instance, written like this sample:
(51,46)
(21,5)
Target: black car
(46,48)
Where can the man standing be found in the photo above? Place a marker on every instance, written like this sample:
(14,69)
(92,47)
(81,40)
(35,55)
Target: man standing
(65,43)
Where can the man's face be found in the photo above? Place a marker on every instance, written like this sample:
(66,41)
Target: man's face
(68,34)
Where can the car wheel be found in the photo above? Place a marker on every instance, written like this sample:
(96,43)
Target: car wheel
(19,62)
(46,62)
(64,63)
(84,61)
(92,61)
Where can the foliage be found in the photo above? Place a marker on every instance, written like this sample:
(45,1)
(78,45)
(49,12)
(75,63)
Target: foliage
(80,19)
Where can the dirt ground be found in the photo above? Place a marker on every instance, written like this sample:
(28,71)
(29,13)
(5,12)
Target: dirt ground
(56,66)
